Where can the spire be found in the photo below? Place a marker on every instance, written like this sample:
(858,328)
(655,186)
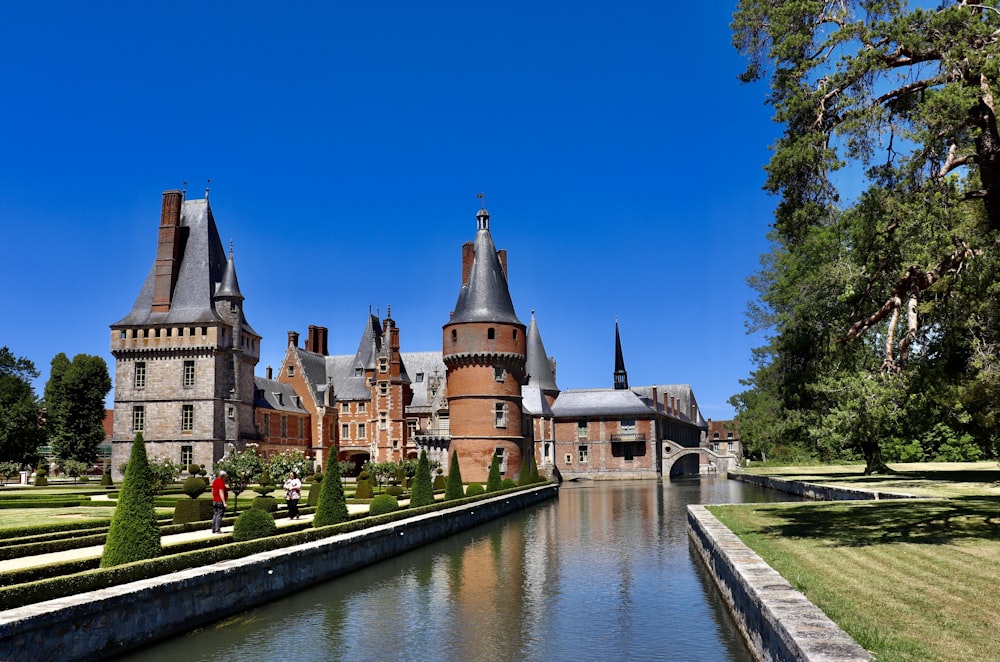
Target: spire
(230,286)
(621,376)
(485,297)
(541,372)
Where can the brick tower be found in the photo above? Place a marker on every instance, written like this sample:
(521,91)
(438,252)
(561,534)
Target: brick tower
(484,352)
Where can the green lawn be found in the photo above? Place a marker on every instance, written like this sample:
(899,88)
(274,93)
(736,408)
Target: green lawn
(909,580)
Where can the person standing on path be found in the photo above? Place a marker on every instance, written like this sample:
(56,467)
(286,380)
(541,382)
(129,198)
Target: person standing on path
(220,495)
(293,492)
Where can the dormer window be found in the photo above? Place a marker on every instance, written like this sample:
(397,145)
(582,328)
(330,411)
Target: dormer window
(420,377)
(358,372)
(290,371)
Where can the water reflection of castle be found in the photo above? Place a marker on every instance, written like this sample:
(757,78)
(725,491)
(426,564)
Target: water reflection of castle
(184,377)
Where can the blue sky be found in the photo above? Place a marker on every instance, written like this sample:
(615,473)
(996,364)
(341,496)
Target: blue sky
(621,159)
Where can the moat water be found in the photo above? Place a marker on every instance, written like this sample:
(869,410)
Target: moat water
(605,572)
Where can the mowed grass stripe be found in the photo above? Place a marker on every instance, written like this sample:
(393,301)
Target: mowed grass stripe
(927,600)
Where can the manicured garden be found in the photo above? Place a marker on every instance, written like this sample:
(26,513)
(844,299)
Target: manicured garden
(908,579)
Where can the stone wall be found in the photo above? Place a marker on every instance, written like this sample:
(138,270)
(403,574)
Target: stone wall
(817,492)
(777,621)
(104,623)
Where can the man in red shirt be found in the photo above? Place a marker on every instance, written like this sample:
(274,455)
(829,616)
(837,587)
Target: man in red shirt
(220,495)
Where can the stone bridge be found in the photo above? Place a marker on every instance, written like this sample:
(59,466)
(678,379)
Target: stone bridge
(672,452)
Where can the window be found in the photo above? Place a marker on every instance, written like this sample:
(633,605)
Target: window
(345,407)
(515,334)
(188,374)
(581,429)
(411,428)
(582,453)
(362,430)
(729,435)
(498,373)
(383,388)
(715,435)
(420,377)
(629,452)
(267,424)
(383,365)
(500,415)
(491,334)
(284,426)
(140,374)
(187,418)
(290,371)
(345,431)
(395,444)
(302,428)
(358,372)
(138,418)
(569,458)
(383,421)
(187,456)
(454,335)
(361,407)
(230,412)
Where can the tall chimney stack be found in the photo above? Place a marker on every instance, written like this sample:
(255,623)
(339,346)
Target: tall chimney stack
(168,251)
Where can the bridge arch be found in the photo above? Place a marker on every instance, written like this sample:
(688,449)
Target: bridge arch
(672,452)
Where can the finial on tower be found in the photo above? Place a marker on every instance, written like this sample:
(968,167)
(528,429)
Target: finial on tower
(230,249)
(483,217)
(207,182)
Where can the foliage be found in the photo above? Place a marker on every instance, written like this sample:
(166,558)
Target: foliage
(252,524)
(524,474)
(422,493)
(192,510)
(493,479)
(9,470)
(21,427)
(194,486)
(363,488)
(106,480)
(394,490)
(345,468)
(332,505)
(73,468)
(453,488)
(265,484)
(533,476)
(474,489)
(382,504)
(381,472)
(268,503)
(134,534)
(74,403)
(507,483)
(280,465)
(881,286)
(241,467)
(163,472)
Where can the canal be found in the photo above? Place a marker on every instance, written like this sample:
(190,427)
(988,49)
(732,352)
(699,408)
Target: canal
(603,573)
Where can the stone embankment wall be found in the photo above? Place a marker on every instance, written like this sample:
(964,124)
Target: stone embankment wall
(817,492)
(100,624)
(777,621)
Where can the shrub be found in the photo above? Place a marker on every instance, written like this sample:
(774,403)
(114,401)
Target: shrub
(395,490)
(134,534)
(315,484)
(453,488)
(524,476)
(254,523)
(507,483)
(382,504)
(41,477)
(474,489)
(364,488)
(422,493)
(267,503)
(439,483)
(332,505)
(106,479)
(194,486)
(493,480)
(192,510)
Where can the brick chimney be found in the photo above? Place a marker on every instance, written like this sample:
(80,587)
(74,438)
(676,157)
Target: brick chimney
(293,338)
(468,256)
(316,340)
(168,251)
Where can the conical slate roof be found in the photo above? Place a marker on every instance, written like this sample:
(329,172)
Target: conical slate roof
(230,285)
(486,297)
(539,366)
(371,343)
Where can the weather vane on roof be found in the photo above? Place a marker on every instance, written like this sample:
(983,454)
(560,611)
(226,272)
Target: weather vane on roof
(482,196)
(207,182)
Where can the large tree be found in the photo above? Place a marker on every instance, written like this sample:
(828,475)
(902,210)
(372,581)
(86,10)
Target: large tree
(881,285)
(21,428)
(74,404)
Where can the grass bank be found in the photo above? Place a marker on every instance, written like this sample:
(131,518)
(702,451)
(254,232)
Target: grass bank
(909,580)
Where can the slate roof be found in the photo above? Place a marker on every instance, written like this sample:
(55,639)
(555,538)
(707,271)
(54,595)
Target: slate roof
(600,402)
(683,397)
(486,297)
(202,268)
(272,394)
(533,402)
(421,366)
(540,368)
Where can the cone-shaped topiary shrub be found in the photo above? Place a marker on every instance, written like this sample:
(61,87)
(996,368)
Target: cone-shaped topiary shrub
(533,476)
(524,477)
(453,489)
(507,483)
(134,534)
(493,480)
(364,487)
(422,493)
(252,524)
(106,479)
(332,506)
(382,504)
(474,489)
(315,483)
(440,482)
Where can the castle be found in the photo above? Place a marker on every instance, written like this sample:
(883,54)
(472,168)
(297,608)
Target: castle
(184,377)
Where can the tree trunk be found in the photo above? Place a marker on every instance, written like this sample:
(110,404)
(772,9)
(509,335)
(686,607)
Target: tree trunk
(874,464)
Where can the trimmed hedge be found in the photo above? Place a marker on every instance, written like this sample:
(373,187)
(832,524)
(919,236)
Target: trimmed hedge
(97,578)
(254,523)
(382,504)
(474,489)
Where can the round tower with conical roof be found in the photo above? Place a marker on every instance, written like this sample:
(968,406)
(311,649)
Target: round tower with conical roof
(484,350)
